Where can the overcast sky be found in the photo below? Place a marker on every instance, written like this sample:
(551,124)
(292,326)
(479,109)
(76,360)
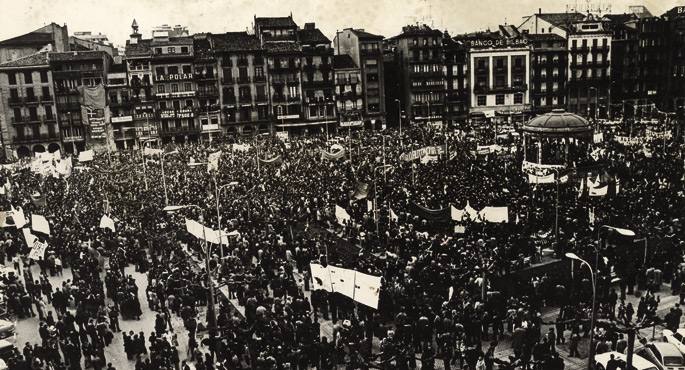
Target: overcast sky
(385,17)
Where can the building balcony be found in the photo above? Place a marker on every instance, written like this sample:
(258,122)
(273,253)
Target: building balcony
(600,49)
(347,81)
(261,78)
(579,49)
(293,99)
(31,100)
(370,53)
(93,73)
(278,98)
(182,130)
(243,62)
(124,103)
(261,98)
(280,80)
(290,67)
(69,107)
(15,101)
(28,139)
(66,91)
(204,93)
(227,80)
(258,61)
(500,89)
(245,99)
(204,77)
(46,98)
(228,100)
(320,83)
(242,80)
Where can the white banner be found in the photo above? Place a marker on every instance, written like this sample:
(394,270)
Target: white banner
(367,289)
(40,224)
(341,215)
(107,223)
(342,280)
(85,156)
(38,250)
(321,278)
(419,153)
(28,237)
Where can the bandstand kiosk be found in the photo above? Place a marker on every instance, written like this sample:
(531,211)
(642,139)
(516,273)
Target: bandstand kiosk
(556,139)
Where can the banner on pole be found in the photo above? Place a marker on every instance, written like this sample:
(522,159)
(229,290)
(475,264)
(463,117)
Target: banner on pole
(40,224)
(38,250)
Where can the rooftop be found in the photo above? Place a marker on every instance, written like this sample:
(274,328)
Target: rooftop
(141,48)
(363,35)
(235,41)
(312,36)
(31,38)
(77,55)
(424,30)
(562,20)
(274,22)
(282,47)
(558,123)
(37,59)
(343,61)
(543,37)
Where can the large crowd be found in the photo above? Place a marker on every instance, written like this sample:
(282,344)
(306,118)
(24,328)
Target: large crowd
(450,296)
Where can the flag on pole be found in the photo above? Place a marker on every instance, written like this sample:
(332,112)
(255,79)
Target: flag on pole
(341,215)
(19,217)
(40,224)
(107,223)
(28,237)
(393,216)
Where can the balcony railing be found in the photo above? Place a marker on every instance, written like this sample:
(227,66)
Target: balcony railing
(179,130)
(246,99)
(66,91)
(31,100)
(278,98)
(13,101)
(46,98)
(35,138)
(260,98)
(261,78)
(207,92)
(230,100)
(204,77)
(242,80)
(579,49)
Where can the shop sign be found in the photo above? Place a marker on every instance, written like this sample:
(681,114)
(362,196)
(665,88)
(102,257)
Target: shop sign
(174,77)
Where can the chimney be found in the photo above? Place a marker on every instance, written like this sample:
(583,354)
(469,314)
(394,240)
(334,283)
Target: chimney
(310,26)
(539,10)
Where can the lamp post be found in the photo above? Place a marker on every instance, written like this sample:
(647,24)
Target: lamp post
(591,351)
(375,192)
(399,117)
(218,213)
(161,157)
(211,312)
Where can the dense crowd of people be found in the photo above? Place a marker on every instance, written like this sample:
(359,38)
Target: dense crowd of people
(449,296)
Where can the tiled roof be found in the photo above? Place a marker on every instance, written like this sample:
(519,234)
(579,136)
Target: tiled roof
(314,36)
(235,41)
(37,59)
(77,55)
(410,31)
(562,20)
(343,61)
(363,35)
(31,38)
(620,18)
(182,40)
(141,48)
(275,22)
(543,37)
(282,47)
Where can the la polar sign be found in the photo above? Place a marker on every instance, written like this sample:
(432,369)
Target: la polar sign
(174,77)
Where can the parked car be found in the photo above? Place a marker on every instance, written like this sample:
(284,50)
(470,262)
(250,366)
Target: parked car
(663,354)
(639,363)
(677,338)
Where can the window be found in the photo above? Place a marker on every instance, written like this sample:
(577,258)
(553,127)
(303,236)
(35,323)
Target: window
(17,114)
(187,86)
(574,43)
(171,50)
(481,100)
(174,88)
(159,71)
(48,112)
(176,104)
(292,91)
(46,92)
(28,78)
(43,76)
(518,98)
(158,51)
(189,103)
(173,70)
(186,69)
(33,113)
(184,49)
(244,92)
(12,77)
(161,89)
(30,94)
(499,99)
(259,72)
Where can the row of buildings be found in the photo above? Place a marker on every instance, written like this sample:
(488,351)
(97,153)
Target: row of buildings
(69,93)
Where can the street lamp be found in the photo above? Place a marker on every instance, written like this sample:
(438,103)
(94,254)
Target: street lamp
(211,312)
(166,197)
(375,192)
(218,214)
(399,117)
(591,351)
